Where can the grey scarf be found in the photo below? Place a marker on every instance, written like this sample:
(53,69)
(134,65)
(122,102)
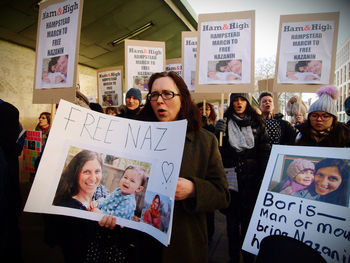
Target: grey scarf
(240,138)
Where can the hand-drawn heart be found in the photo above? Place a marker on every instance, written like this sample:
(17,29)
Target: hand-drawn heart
(167,169)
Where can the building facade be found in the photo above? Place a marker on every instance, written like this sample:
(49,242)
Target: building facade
(342,78)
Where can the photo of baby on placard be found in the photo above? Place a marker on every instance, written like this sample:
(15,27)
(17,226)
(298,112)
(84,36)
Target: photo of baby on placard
(319,179)
(54,70)
(101,183)
(225,70)
(308,70)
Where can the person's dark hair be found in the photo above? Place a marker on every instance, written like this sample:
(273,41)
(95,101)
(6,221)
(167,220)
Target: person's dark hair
(52,62)
(341,195)
(263,94)
(335,138)
(48,117)
(300,64)
(96,107)
(249,111)
(188,110)
(212,116)
(68,185)
(221,63)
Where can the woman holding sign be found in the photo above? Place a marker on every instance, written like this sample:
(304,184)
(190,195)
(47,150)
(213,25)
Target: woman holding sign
(201,186)
(245,151)
(331,182)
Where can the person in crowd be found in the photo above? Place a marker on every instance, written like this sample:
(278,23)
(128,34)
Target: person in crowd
(245,148)
(44,126)
(208,116)
(347,109)
(10,196)
(322,127)
(297,110)
(279,130)
(209,122)
(96,107)
(82,240)
(331,183)
(152,215)
(133,101)
(111,111)
(201,187)
(300,175)
(122,202)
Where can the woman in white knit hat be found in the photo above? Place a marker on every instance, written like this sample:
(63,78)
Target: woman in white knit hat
(322,127)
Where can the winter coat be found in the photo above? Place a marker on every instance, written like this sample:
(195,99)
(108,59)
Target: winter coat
(201,163)
(249,164)
(288,133)
(339,136)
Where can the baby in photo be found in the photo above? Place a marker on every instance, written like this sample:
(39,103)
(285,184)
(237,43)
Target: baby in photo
(300,175)
(122,202)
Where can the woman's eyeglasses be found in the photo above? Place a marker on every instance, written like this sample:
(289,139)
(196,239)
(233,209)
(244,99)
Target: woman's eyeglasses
(315,116)
(166,95)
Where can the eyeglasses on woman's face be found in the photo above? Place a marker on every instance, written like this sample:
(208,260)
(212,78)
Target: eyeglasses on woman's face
(323,116)
(166,95)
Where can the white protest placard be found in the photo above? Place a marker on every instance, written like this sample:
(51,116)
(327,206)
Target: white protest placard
(110,86)
(305,195)
(306,51)
(225,53)
(121,144)
(58,40)
(189,55)
(174,64)
(142,59)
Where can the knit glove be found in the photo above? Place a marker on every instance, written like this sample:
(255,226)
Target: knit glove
(205,120)
(220,126)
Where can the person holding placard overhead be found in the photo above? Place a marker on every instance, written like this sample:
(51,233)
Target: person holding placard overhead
(201,187)
(322,127)
(245,152)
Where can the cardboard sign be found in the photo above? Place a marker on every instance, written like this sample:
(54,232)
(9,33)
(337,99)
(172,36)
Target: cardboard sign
(31,150)
(306,52)
(57,50)
(142,59)
(225,52)
(149,152)
(175,65)
(110,86)
(189,56)
(305,195)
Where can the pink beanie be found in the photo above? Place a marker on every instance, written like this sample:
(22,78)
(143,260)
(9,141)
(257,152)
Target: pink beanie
(299,165)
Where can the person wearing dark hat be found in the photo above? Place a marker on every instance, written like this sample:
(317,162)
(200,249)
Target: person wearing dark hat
(133,100)
(245,150)
(280,131)
(322,127)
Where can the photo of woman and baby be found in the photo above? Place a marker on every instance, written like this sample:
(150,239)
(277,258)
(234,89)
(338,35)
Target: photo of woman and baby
(55,70)
(226,70)
(105,184)
(325,180)
(304,70)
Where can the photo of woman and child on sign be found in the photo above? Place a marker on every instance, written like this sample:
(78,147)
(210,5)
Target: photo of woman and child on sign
(105,184)
(225,70)
(325,180)
(304,70)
